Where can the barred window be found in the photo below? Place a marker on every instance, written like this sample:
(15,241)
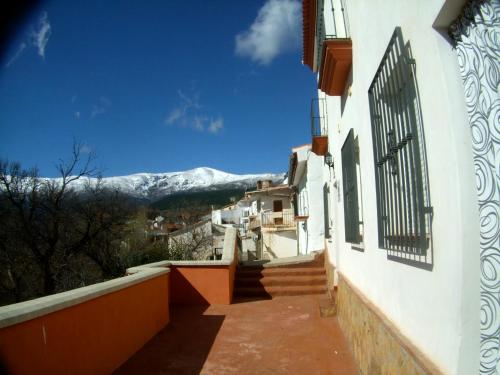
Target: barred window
(350,190)
(398,144)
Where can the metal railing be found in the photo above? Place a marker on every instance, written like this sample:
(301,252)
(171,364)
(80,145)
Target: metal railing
(334,25)
(278,219)
(319,117)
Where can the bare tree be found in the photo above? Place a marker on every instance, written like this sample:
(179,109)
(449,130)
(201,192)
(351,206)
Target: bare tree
(49,230)
(191,242)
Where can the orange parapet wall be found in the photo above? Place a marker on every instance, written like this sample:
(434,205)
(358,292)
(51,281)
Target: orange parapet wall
(205,282)
(91,337)
(202,285)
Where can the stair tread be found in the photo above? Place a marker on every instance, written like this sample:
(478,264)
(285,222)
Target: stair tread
(285,280)
(279,291)
(280,271)
(271,288)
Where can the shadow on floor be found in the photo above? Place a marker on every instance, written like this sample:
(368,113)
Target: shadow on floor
(237,300)
(181,348)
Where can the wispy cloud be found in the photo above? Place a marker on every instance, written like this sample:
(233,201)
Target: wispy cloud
(174,115)
(101,107)
(41,34)
(86,149)
(216,125)
(38,38)
(77,115)
(190,113)
(275,30)
(199,123)
(188,102)
(16,55)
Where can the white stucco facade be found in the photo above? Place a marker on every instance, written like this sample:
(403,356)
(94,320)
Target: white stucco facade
(308,182)
(271,222)
(279,244)
(436,308)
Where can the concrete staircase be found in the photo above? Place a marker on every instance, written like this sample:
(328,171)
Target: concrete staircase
(286,277)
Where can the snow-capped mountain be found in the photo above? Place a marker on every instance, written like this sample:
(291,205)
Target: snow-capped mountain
(157,185)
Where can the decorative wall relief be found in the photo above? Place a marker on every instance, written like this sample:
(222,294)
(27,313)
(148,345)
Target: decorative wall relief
(476,34)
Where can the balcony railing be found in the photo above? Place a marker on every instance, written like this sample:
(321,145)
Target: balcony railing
(334,48)
(319,126)
(283,219)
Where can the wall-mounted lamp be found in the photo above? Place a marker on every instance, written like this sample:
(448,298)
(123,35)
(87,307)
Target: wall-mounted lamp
(329,160)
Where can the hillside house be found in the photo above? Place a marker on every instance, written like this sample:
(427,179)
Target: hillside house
(407,113)
(305,177)
(272,221)
(233,215)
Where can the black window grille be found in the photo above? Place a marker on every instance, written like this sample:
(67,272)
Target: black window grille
(350,190)
(402,201)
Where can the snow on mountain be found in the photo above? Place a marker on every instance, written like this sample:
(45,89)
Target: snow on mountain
(157,185)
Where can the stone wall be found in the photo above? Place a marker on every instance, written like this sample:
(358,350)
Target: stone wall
(378,346)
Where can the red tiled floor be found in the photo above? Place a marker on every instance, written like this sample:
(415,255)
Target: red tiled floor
(285,335)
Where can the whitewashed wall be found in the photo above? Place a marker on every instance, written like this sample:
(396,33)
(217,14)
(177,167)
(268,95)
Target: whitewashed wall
(316,220)
(279,244)
(302,227)
(437,310)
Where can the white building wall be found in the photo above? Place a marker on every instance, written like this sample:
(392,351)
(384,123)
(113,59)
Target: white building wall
(302,227)
(316,220)
(231,216)
(279,244)
(216,217)
(266,202)
(437,310)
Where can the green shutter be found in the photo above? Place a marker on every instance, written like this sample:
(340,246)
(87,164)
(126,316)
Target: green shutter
(350,190)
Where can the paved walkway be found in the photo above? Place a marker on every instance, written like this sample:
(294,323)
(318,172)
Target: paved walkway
(285,335)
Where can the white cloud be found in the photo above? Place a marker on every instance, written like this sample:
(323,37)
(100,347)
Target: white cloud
(174,115)
(77,115)
(37,38)
(216,125)
(188,104)
(85,149)
(189,113)
(18,53)
(190,101)
(41,35)
(101,107)
(275,30)
(199,123)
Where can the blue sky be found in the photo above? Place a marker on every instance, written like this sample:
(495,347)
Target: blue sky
(157,86)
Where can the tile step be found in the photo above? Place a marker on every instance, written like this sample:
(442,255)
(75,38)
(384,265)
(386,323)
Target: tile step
(276,291)
(281,280)
(264,272)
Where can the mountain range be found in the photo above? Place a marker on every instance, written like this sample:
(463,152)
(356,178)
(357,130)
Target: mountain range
(154,186)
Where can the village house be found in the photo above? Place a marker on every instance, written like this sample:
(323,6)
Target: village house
(305,177)
(272,221)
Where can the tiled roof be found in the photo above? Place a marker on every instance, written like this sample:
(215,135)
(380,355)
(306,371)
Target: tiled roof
(308,30)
